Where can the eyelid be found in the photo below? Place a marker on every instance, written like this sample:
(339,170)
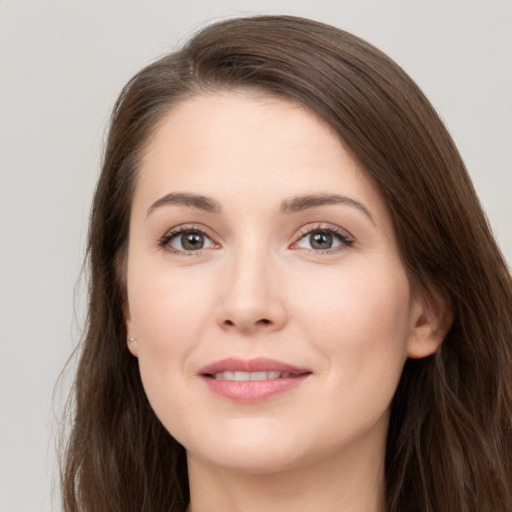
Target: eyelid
(343,235)
(171,234)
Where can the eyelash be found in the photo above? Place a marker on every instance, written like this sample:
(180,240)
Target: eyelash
(165,241)
(342,236)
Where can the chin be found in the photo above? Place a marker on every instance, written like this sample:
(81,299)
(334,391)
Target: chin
(252,454)
(253,461)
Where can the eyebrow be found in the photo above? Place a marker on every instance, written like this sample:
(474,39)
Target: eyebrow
(301,203)
(184,199)
(293,205)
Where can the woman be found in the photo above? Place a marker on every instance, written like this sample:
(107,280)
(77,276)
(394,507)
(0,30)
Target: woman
(296,301)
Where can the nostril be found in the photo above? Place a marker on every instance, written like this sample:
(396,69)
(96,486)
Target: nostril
(260,322)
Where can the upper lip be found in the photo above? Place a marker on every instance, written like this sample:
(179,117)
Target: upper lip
(260,364)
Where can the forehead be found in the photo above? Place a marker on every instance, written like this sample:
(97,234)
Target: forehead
(248,147)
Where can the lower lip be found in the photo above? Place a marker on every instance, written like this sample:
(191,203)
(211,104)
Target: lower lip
(253,390)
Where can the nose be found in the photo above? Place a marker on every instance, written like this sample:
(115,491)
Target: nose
(250,300)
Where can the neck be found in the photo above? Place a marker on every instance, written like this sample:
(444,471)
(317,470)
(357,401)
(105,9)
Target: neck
(339,482)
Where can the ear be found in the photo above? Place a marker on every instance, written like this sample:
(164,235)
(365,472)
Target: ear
(131,339)
(432,317)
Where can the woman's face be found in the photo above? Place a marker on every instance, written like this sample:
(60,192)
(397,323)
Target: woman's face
(271,310)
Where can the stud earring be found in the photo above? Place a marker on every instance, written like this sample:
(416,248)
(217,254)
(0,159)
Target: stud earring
(131,339)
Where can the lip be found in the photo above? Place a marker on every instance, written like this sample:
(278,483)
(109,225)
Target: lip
(260,364)
(255,390)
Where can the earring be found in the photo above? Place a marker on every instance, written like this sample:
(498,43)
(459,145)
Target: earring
(131,339)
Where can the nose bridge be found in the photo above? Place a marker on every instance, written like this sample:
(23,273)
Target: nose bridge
(251,277)
(250,297)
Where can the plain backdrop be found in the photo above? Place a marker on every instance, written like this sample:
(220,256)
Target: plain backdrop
(62,65)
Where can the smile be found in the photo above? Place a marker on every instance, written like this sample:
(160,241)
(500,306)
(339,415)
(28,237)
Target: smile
(252,380)
(252,376)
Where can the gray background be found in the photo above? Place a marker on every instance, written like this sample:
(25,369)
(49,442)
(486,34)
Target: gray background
(62,65)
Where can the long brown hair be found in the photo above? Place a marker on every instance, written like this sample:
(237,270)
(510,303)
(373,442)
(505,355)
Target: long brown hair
(450,436)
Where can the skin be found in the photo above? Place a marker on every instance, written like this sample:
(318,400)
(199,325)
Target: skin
(259,289)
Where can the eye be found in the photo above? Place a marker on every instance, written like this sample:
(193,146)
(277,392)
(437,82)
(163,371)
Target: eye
(183,240)
(323,239)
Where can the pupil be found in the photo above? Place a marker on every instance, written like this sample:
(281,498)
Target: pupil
(320,240)
(192,241)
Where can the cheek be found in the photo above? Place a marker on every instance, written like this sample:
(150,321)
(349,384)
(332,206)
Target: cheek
(165,316)
(165,305)
(361,328)
(164,312)
(360,321)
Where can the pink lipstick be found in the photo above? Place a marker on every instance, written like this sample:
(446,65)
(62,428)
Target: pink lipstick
(252,380)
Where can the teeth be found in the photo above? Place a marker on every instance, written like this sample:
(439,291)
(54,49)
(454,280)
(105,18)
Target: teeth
(246,376)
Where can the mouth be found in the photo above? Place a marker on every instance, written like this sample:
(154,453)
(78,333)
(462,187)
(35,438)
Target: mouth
(252,380)
(239,376)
